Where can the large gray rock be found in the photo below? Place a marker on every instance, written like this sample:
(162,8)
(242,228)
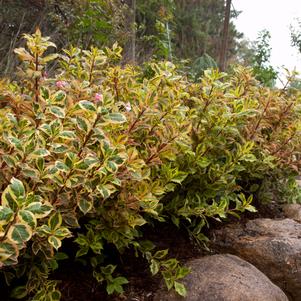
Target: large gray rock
(273,246)
(224,278)
(292,211)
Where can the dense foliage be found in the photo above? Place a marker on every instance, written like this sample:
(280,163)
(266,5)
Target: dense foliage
(98,151)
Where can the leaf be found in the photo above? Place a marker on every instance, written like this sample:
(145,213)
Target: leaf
(55,221)
(46,129)
(85,205)
(161,254)
(116,285)
(119,159)
(82,124)
(175,220)
(168,281)
(57,111)
(9,160)
(45,93)
(109,269)
(41,152)
(19,292)
(15,142)
(182,272)
(59,97)
(67,135)
(62,232)
(55,242)
(6,215)
(115,118)
(111,166)
(250,208)
(19,233)
(30,173)
(96,247)
(49,58)
(81,165)
(61,166)
(111,288)
(61,256)
(17,188)
(120,280)
(179,177)
(40,164)
(39,210)
(180,289)
(23,54)
(170,263)
(82,251)
(91,161)
(154,267)
(134,221)
(59,148)
(87,105)
(98,276)
(71,220)
(106,190)
(203,162)
(56,295)
(8,250)
(28,218)
(13,195)
(249,158)
(43,230)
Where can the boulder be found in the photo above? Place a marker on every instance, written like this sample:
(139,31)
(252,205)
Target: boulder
(292,211)
(224,278)
(273,246)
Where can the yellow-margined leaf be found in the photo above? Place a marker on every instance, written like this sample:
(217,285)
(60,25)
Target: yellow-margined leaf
(6,215)
(28,218)
(85,205)
(57,111)
(115,118)
(13,195)
(55,221)
(180,289)
(55,242)
(39,209)
(19,233)
(87,105)
(8,250)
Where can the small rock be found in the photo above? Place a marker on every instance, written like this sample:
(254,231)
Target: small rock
(224,278)
(292,211)
(273,246)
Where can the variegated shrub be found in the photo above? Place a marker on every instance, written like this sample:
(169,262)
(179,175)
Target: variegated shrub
(91,141)
(95,151)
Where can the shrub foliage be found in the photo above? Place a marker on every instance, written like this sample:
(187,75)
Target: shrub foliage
(96,151)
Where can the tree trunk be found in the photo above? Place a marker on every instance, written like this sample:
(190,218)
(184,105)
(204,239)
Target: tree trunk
(133,42)
(224,46)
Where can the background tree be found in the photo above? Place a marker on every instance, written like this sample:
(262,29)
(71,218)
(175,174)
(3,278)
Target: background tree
(22,16)
(164,29)
(263,71)
(296,35)
(199,24)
